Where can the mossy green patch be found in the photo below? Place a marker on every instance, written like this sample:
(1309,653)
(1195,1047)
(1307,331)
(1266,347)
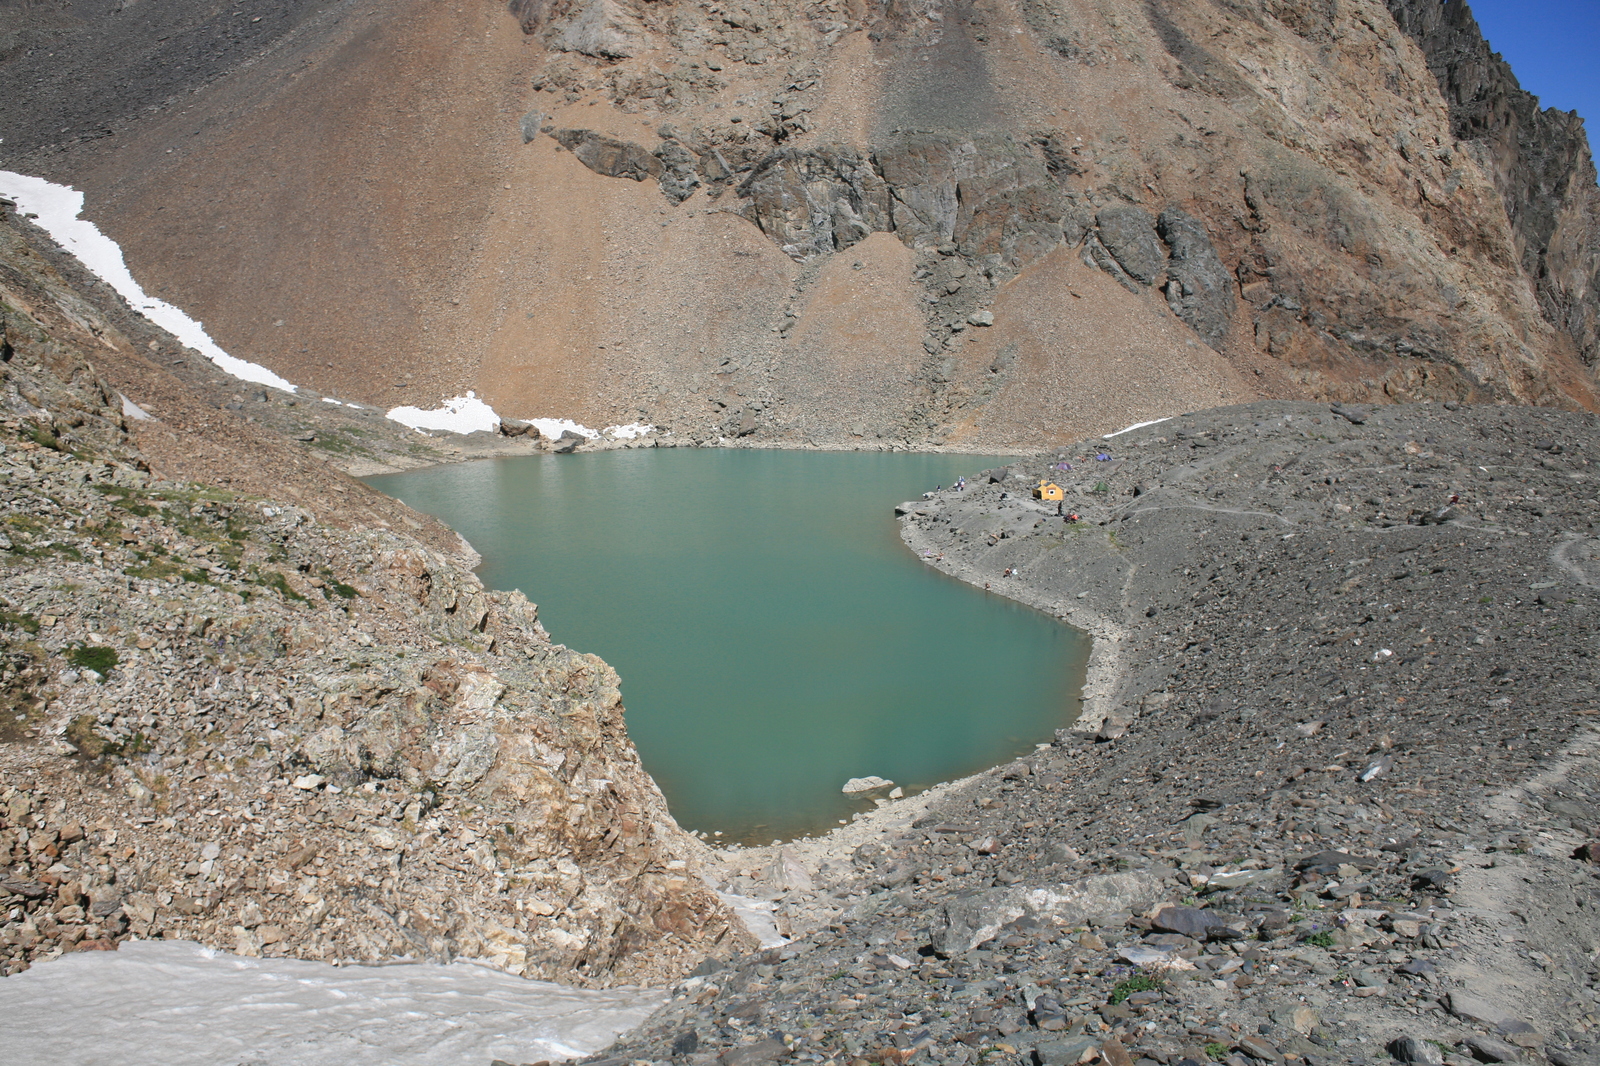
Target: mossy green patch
(1138,983)
(102,660)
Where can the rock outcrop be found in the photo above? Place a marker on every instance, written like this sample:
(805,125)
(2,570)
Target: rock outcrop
(1539,158)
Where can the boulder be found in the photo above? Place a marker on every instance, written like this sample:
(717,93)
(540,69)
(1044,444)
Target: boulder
(963,923)
(1193,922)
(787,873)
(1416,1050)
(604,29)
(1068,1052)
(1259,1049)
(679,174)
(769,1050)
(1488,1049)
(1470,1008)
(609,156)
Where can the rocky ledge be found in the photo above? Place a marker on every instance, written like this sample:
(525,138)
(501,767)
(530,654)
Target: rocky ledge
(1335,797)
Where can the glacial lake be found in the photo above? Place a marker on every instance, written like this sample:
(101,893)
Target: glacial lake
(774,635)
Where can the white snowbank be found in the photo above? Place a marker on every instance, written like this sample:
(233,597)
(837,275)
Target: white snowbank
(1136,425)
(134,411)
(58,208)
(757,916)
(173,1003)
(461,414)
(631,431)
(554,427)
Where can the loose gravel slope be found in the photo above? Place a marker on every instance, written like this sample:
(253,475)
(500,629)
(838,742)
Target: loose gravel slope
(1331,800)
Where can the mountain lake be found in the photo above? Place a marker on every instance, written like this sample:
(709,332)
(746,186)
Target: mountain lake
(773,634)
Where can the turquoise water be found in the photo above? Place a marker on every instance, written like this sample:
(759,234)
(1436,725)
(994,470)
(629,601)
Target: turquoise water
(774,635)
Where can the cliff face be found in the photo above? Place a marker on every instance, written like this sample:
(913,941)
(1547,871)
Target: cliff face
(250,702)
(979,223)
(1539,159)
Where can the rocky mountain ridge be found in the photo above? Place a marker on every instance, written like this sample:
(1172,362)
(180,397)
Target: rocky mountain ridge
(1540,159)
(844,194)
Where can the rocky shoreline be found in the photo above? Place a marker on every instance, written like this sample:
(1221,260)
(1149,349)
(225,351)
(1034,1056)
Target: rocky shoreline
(1333,800)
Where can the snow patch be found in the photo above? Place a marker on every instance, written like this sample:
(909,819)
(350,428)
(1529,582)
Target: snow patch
(134,411)
(1136,425)
(631,431)
(460,414)
(554,427)
(177,1003)
(58,208)
(757,916)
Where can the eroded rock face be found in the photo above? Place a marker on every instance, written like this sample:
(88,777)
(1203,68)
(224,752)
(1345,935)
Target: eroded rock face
(1199,288)
(995,203)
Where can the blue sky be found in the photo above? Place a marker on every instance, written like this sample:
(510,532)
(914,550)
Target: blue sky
(1554,48)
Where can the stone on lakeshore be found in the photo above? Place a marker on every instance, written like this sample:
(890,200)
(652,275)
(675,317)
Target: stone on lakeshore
(787,873)
(1301,1019)
(1328,862)
(1067,1052)
(1470,1008)
(1240,878)
(1573,1057)
(1145,955)
(865,784)
(1415,1050)
(1488,1049)
(769,1050)
(963,923)
(1519,1032)
(1191,922)
(1113,729)
(1259,1049)
(1115,1054)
